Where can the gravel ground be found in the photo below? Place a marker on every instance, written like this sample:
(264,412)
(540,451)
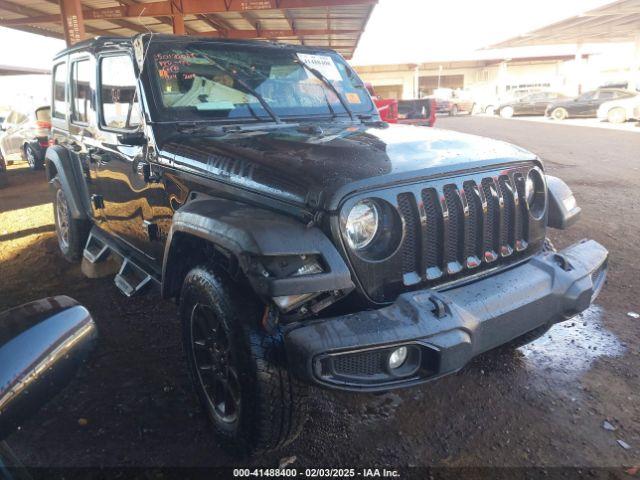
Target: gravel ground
(541,405)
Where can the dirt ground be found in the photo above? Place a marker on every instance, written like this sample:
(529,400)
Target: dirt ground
(541,405)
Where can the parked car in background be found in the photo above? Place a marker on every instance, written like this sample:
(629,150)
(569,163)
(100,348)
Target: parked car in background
(585,105)
(412,112)
(489,104)
(387,107)
(532,104)
(27,134)
(621,110)
(453,106)
(417,112)
(452,102)
(3,172)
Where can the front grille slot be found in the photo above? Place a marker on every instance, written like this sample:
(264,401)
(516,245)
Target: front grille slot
(433,228)
(410,245)
(454,226)
(473,225)
(507,232)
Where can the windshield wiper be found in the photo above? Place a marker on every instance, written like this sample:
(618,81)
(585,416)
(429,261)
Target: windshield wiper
(244,84)
(328,83)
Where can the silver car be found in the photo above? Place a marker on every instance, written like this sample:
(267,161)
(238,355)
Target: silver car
(620,110)
(26,134)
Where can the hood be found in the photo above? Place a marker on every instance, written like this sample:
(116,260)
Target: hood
(321,164)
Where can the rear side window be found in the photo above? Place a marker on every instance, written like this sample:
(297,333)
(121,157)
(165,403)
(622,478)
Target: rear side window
(606,96)
(81,91)
(59,84)
(118,99)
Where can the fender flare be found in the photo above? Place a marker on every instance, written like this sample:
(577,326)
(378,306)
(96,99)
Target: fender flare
(563,209)
(248,232)
(59,162)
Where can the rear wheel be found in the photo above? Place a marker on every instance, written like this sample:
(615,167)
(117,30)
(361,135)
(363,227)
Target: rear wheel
(559,114)
(490,109)
(32,157)
(239,372)
(72,234)
(617,115)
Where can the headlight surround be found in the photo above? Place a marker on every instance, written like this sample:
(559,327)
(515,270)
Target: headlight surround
(362,224)
(535,193)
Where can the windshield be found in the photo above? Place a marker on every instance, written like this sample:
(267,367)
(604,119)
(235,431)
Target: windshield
(219,81)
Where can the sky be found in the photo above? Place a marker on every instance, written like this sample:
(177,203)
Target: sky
(405,31)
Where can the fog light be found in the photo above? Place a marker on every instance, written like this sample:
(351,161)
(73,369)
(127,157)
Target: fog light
(397,357)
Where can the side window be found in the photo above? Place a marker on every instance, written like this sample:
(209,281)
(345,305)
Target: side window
(606,96)
(118,98)
(59,86)
(81,91)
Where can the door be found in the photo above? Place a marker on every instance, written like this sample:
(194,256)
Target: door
(524,105)
(540,101)
(128,195)
(584,104)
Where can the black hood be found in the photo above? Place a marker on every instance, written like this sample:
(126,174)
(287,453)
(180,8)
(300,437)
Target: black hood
(322,164)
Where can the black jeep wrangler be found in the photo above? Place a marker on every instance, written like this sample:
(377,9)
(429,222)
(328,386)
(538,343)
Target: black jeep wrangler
(305,241)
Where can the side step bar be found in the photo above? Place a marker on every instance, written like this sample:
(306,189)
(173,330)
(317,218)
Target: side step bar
(131,280)
(96,250)
(102,256)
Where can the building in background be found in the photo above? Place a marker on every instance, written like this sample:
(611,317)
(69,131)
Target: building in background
(500,76)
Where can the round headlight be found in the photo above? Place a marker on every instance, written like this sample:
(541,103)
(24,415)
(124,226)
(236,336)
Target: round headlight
(362,224)
(534,192)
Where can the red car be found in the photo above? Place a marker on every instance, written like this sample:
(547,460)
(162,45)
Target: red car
(412,112)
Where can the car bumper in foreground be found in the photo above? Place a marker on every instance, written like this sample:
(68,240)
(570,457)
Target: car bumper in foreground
(442,331)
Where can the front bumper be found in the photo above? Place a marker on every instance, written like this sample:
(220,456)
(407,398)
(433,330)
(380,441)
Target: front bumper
(444,330)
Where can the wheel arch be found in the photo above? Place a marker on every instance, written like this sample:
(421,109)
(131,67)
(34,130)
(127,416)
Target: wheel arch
(239,234)
(60,164)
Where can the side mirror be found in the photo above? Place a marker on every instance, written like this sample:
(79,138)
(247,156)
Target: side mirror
(42,344)
(133,139)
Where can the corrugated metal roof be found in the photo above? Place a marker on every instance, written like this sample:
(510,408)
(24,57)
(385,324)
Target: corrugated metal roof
(615,22)
(336,24)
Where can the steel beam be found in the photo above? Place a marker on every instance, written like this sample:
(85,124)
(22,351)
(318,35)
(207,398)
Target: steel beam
(248,34)
(191,7)
(72,21)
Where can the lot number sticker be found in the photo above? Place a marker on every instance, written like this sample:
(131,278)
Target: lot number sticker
(323,63)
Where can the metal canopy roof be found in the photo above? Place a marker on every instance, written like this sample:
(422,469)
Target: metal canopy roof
(337,24)
(616,22)
(16,70)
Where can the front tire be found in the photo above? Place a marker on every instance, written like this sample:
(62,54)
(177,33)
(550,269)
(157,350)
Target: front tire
(72,234)
(617,115)
(239,372)
(559,114)
(506,112)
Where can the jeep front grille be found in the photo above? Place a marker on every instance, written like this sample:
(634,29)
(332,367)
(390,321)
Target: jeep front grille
(453,228)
